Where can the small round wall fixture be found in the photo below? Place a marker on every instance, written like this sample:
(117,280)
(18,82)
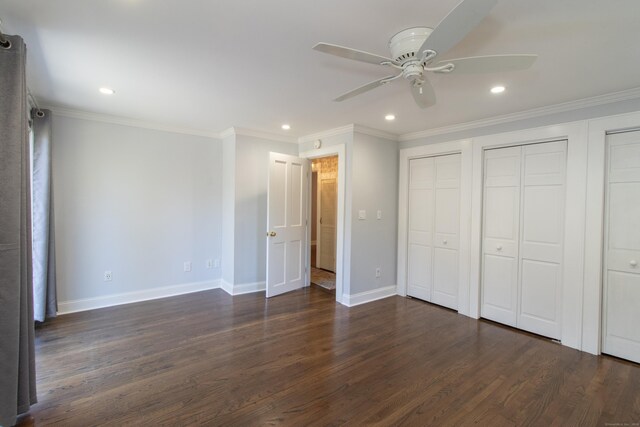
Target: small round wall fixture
(317,143)
(497,89)
(107,91)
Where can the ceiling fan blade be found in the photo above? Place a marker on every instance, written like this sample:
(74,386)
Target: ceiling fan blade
(364,88)
(457,24)
(346,52)
(490,63)
(424,95)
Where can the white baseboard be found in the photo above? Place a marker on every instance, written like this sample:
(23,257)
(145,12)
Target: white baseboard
(243,288)
(369,296)
(73,306)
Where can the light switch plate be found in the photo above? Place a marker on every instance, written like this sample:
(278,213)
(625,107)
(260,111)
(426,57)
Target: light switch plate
(379,215)
(362,214)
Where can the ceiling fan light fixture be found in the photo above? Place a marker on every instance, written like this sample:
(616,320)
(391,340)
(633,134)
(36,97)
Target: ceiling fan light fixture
(497,89)
(390,117)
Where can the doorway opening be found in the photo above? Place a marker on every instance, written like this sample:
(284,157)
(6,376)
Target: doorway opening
(324,221)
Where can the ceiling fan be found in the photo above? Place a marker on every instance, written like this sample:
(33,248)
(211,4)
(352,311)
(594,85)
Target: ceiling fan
(414,52)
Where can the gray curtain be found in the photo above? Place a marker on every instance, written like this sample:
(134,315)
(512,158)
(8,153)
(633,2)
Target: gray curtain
(45,302)
(17,361)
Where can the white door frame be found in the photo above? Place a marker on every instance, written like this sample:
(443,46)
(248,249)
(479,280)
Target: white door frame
(574,237)
(594,240)
(462,147)
(333,150)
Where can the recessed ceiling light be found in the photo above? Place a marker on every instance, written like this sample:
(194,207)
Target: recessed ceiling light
(497,89)
(107,91)
(286,127)
(389,117)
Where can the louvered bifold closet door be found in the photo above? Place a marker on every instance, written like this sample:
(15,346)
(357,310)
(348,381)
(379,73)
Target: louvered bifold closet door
(501,229)
(621,328)
(434,229)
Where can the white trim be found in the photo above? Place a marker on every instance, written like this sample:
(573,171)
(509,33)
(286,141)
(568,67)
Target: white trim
(463,147)
(527,114)
(348,129)
(257,134)
(243,288)
(105,118)
(573,258)
(369,296)
(594,228)
(66,307)
(375,132)
(226,286)
(340,151)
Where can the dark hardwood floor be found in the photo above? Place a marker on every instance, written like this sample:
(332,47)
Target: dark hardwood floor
(300,358)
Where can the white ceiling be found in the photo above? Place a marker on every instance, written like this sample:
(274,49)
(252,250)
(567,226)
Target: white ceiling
(210,64)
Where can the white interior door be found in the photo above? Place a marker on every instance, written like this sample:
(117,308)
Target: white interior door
(523,229)
(621,317)
(501,228)
(542,231)
(328,207)
(446,236)
(420,238)
(434,229)
(286,222)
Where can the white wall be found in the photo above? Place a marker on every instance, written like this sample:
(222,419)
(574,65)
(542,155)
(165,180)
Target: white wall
(228,206)
(135,201)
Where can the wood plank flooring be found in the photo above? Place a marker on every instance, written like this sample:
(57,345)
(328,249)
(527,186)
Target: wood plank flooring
(301,359)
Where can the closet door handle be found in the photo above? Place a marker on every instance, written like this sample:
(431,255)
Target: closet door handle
(444,242)
(499,247)
(633,263)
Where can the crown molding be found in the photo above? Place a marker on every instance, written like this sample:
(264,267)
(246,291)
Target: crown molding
(105,118)
(375,132)
(342,130)
(527,114)
(236,131)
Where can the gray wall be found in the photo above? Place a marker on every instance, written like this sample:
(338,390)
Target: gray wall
(134,201)
(374,187)
(245,206)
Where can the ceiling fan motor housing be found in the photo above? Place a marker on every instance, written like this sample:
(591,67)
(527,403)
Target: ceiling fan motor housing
(404,45)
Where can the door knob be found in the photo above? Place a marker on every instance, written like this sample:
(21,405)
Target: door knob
(271,234)
(633,263)
(444,242)
(499,247)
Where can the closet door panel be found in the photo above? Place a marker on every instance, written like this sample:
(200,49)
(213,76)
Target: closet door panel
(499,294)
(542,234)
(621,317)
(501,211)
(447,230)
(421,199)
(445,277)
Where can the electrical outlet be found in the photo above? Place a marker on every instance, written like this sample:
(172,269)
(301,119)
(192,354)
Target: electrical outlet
(378,272)
(187,266)
(216,263)
(209,263)
(108,276)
